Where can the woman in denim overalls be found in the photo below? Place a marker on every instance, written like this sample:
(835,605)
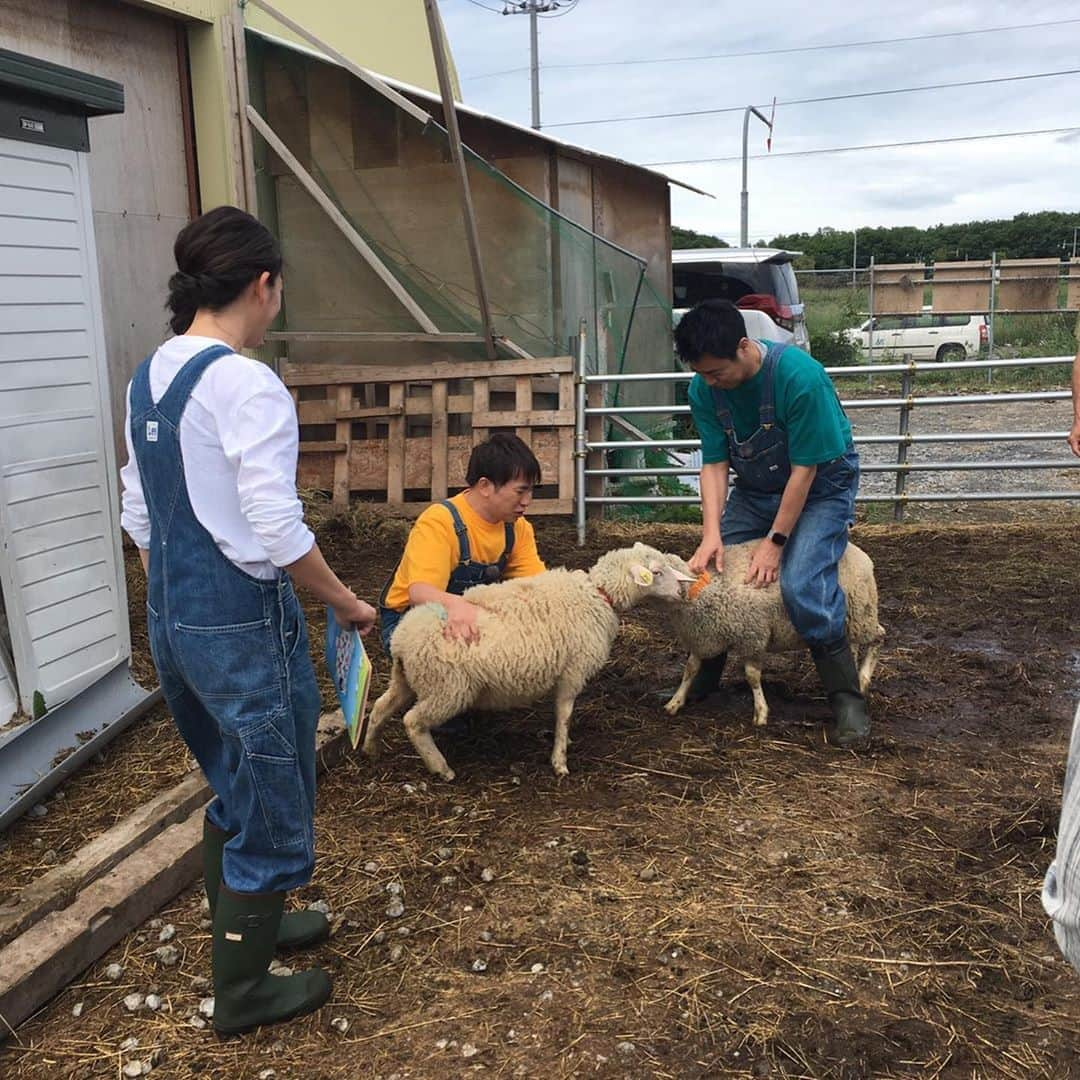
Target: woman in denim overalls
(210,500)
(769,413)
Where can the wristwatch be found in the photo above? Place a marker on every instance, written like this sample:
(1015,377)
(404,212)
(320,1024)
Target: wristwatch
(778,538)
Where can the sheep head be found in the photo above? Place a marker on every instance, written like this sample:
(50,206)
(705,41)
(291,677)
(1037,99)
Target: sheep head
(632,575)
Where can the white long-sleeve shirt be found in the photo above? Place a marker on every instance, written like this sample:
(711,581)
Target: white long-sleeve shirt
(1061,889)
(239,439)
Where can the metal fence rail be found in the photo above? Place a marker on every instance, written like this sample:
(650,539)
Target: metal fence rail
(590,454)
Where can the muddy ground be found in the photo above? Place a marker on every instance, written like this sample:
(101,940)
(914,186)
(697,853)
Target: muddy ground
(698,898)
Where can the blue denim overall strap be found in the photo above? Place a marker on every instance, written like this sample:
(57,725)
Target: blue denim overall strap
(468,573)
(464,576)
(761,462)
(232,655)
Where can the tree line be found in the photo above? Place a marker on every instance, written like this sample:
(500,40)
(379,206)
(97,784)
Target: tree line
(1047,234)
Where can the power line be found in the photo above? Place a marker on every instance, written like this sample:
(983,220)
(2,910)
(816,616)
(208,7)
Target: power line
(870,146)
(818,100)
(476,3)
(784,51)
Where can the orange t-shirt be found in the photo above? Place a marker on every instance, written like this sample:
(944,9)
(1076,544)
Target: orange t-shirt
(432,552)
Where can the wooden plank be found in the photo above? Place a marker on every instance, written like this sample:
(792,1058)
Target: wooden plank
(338,218)
(481,402)
(57,888)
(322,447)
(296,374)
(340,494)
(523,403)
(247,156)
(440,431)
(524,422)
(327,412)
(372,337)
(62,944)
(566,439)
(395,449)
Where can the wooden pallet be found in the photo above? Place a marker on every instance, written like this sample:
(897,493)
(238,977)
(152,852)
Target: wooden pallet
(403,435)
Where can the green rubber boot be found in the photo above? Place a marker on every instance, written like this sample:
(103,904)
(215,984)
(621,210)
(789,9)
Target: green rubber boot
(850,725)
(246,996)
(705,683)
(297,930)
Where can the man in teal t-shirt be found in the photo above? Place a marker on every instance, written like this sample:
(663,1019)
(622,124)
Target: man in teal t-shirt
(769,412)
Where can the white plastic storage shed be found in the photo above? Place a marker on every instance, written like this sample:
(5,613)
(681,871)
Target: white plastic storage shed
(65,685)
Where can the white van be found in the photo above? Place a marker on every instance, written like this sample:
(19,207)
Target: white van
(926,336)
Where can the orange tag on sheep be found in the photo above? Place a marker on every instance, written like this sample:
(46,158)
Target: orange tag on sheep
(695,590)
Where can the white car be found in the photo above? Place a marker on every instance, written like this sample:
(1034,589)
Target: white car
(926,336)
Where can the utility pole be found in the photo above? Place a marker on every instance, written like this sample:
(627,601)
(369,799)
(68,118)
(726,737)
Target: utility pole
(854,255)
(533,8)
(744,215)
(1075,229)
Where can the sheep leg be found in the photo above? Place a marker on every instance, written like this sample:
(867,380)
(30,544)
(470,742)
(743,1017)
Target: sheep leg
(399,694)
(869,663)
(761,707)
(564,707)
(678,699)
(419,721)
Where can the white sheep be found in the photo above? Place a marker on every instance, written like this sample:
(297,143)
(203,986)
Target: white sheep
(539,635)
(728,614)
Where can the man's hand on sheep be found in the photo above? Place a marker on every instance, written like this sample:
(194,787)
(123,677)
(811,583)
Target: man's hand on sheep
(461,621)
(711,549)
(764,566)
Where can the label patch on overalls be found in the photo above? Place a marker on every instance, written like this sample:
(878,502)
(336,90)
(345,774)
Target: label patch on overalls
(151,430)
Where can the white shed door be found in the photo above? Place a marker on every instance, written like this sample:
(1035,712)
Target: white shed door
(60,565)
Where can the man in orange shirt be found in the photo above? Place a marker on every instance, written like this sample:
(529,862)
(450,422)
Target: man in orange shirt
(475,538)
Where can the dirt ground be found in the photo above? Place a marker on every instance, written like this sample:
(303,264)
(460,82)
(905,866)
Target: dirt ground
(698,898)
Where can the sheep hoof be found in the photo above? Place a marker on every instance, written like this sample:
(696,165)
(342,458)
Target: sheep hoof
(673,706)
(560,769)
(760,721)
(372,749)
(446,774)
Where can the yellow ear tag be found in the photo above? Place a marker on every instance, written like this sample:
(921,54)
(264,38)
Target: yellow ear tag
(642,576)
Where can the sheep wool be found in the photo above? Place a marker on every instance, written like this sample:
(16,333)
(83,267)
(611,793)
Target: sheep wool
(541,635)
(727,614)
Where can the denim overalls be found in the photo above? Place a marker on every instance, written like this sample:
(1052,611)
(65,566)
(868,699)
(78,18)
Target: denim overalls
(231,652)
(465,575)
(808,579)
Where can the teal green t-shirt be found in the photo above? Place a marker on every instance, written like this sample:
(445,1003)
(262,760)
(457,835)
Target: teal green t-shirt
(808,411)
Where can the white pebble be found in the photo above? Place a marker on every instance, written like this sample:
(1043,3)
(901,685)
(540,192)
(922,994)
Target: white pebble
(468,1050)
(206,924)
(167,955)
(395,909)
(547,995)
(77,1010)
(200,983)
(551,843)
(204,906)
(485,935)
(340,1024)
(626,1048)
(648,874)
(378,937)
(321,906)
(133,1068)
(371,868)
(155,924)
(206,1008)
(153,1002)
(410,789)
(537,968)
(39,811)
(282,970)
(50,858)
(396,953)
(168,932)
(114,972)
(487,874)
(197,1022)
(37,842)
(128,1044)
(445,853)
(441,1044)
(394,888)
(133,1002)
(267,1074)
(479,965)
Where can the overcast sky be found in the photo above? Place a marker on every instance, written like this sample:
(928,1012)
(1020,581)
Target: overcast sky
(911,186)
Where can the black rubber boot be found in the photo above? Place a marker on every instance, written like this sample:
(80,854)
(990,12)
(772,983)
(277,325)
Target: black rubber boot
(705,683)
(298,929)
(246,996)
(850,725)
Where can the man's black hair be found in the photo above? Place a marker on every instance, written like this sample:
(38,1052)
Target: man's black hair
(711,328)
(502,459)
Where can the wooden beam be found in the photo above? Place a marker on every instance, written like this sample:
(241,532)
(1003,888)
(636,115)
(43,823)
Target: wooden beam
(373,337)
(440,430)
(340,494)
(457,154)
(339,219)
(524,421)
(523,403)
(298,374)
(247,156)
(395,448)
